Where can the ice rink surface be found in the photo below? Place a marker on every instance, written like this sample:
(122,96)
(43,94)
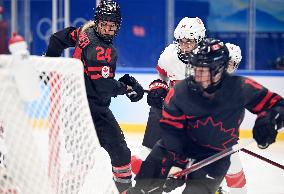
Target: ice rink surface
(262,177)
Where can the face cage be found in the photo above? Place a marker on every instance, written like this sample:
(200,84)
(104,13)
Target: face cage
(106,37)
(183,56)
(234,68)
(213,86)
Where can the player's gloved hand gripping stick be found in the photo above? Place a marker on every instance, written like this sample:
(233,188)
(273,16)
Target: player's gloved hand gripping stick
(276,126)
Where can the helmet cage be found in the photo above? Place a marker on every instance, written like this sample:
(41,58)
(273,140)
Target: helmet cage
(182,54)
(211,54)
(234,67)
(107,10)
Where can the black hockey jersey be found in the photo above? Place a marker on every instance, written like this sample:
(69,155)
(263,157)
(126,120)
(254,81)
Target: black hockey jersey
(200,126)
(99,59)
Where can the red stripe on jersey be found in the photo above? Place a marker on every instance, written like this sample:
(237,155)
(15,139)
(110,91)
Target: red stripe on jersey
(122,175)
(168,116)
(95,68)
(169,95)
(174,82)
(274,100)
(97,76)
(237,180)
(86,72)
(260,105)
(189,117)
(172,123)
(125,167)
(77,53)
(74,34)
(161,71)
(253,83)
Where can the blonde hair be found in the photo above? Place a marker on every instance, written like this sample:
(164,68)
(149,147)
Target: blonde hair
(88,25)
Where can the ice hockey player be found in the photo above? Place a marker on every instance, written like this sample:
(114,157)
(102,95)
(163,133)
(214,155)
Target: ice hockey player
(173,65)
(93,45)
(235,57)
(235,177)
(201,116)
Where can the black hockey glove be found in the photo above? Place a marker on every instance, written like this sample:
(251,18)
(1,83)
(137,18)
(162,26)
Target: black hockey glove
(128,80)
(136,94)
(265,128)
(137,90)
(173,182)
(179,163)
(158,90)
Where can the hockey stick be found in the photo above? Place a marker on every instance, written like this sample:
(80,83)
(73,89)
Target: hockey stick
(263,158)
(208,161)
(212,159)
(223,153)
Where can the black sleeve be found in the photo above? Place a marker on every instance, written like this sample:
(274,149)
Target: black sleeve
(172,123)
(110,87)
(259,99)
(61,40)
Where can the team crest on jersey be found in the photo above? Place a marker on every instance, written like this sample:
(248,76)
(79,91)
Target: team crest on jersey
(105,71)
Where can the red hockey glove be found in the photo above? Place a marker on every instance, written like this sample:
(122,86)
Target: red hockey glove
(158,90)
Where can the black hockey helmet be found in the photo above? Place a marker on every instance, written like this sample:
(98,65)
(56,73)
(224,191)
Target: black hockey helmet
(108,10)
(211,54)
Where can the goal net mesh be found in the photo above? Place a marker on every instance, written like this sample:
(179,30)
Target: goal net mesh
(48,144)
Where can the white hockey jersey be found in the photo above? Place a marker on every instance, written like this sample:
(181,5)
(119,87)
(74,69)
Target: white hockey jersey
(169,65)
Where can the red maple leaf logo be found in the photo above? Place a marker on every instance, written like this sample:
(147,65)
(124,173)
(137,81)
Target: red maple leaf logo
(105,69)
(212,134)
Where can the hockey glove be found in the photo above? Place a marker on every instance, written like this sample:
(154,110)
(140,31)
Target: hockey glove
(128,80)
(178,163)
(265,128)
(173,182)
(158,90)
(137,90)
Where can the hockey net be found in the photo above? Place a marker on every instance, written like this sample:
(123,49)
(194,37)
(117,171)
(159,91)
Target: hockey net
(48,143)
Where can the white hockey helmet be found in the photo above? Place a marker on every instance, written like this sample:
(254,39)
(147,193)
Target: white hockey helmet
(190,28)
(235,55)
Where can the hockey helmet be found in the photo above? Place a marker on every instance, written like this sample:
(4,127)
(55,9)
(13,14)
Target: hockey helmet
(235,55)
(108,10)
(190,28)
(209,61)
(189,31)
